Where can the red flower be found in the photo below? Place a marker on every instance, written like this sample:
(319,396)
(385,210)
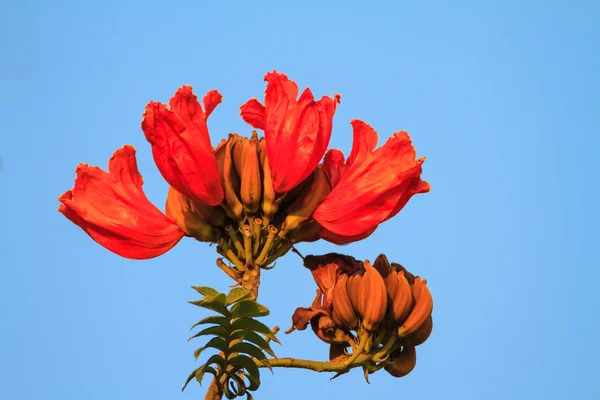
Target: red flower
(297,131)
(181,144)
(371,187)
(326,270)
(112,208)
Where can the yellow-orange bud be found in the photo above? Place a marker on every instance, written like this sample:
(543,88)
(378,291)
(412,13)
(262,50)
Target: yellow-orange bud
(372,298)
(343,313)
(402,362)
(422,309)
(181,210)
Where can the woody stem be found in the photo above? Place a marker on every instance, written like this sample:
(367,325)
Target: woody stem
(250,281)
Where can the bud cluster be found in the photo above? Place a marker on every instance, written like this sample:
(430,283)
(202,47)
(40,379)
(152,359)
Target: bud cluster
(380,310)
(253,225)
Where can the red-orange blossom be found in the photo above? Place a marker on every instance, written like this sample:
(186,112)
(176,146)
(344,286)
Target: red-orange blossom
(369,187)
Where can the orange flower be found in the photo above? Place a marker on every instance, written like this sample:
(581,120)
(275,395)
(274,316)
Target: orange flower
(112,208)
(326,270)
(181,144)
(297,131)
(370,187)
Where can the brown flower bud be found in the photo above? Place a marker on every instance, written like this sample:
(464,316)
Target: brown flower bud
(410,277)
(422,309)
(401,297)
(268,204)
(372,298)
(303,206)
(420,335)
(343,313)
(181,210)
(251,185)
(402,362)
(308,231)
(353,287)
(229,176)
(382,265)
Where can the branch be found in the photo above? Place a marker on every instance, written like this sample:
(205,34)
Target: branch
(318,366)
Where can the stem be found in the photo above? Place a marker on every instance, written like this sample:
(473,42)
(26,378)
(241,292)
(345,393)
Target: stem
(318,366)
(363,342)
(213,392)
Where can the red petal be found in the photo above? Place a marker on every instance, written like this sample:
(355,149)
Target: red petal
(112,208)
(253,113)
(211,100)
(333,165)
(341,239)
(364,142)
(373,187)
(297,131)
(181,145)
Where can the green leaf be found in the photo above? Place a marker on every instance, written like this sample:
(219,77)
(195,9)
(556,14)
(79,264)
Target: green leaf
(202,370)
(205,290)
(189,378)
(254,338)
(216,343)
(240,386)
(213,319)
(213,303)
(251,350)
(211,330)
(237,294)
(219,298)
(248,308)
(228,392)
(253,325)
(245,362)
(254,383)
(217,359)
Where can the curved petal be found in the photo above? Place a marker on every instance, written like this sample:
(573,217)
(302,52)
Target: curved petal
(364,141)
(181,145)
(342,239)
(375,186)
(333,165)
(253,113)
(297,130)
(112,208)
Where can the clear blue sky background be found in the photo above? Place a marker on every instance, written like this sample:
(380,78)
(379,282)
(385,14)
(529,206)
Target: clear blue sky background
(501,96)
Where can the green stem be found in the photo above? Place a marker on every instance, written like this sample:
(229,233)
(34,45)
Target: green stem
(318,366)
(363,342)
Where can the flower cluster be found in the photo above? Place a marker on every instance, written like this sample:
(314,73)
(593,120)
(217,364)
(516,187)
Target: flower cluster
(254,197)
(381,311)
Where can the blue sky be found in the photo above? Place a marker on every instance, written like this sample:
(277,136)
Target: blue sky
(501,96)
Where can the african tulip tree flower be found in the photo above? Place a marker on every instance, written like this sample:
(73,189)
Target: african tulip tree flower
(181,144)
(254,197)
(112,208)
(371,186)
(297,130)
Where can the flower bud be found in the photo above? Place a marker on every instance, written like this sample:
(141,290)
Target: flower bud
(382,265)
(402,362)
(420,335)
(422,309)
(372,298)
(181,210)
(353,287)
(251,185)
(268,204)
(343,313)
(229,176)
(401,297)
(303,206)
